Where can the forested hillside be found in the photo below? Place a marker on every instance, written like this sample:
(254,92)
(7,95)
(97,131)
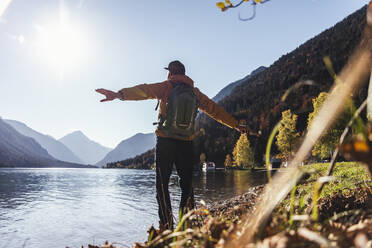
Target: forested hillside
(130,147)
(258,99)
(230,87)
(145,160)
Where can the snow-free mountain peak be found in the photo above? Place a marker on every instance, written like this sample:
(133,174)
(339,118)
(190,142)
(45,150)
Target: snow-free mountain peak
(86,149)
(135,145)
(17,150)
(55,148)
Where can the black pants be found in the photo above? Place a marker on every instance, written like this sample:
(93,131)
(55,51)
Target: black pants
(169,152)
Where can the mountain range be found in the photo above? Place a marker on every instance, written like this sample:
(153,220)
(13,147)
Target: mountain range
(55,148)
(22,142)
(89,151)
(144,161)
(130,147)
(17,150)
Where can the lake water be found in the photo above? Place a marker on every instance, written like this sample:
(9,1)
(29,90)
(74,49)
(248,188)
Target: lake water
(73,207)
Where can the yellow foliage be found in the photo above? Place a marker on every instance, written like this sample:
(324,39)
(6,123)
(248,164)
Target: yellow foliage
(258,1)
(221,5)
(287,134)
(228,2)
(202,158)
(228,161)
(242,153)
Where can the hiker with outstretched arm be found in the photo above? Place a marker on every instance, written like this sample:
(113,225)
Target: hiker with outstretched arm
(179,101)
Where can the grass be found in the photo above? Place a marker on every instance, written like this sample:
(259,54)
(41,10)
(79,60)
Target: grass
(346,177)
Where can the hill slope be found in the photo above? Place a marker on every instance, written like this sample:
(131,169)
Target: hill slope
(87,150)
(229,88)
(130,147)
(17,150)
(144,161)
(53,146)
(257,100)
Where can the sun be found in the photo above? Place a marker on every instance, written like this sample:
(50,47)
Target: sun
(62,45)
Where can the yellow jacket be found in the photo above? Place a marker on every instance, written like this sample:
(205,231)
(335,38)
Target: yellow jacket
(162,90)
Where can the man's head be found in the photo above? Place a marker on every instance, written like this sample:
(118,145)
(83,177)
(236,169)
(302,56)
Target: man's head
(175,68)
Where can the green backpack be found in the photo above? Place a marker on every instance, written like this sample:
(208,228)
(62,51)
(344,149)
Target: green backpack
(182,107)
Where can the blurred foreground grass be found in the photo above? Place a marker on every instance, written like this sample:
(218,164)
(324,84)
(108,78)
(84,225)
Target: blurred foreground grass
(346,177)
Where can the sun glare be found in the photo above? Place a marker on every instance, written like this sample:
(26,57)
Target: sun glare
(4,4)
(61,44)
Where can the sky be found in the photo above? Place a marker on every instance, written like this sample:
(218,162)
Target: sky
(55,53)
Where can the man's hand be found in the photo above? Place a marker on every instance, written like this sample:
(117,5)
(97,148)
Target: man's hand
(110,95)
(247,130)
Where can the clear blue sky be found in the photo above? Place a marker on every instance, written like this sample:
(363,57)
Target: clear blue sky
(55,53)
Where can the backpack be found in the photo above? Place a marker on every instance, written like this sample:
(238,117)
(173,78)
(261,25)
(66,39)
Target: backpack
(182,107)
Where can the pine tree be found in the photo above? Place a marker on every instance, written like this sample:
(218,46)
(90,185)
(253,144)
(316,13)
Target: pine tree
(228,161)
(243,155)
(328,142)
(286,137)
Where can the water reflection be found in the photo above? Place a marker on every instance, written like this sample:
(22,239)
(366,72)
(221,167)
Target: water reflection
(73,207)
(219,185)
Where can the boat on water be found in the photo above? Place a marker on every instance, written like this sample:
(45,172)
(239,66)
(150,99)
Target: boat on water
(208,166)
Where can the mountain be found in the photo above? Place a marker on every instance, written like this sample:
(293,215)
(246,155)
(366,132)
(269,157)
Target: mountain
(257,100)
(129,148)
(87,150)
(143,161)
(229,88)
(17,150)
(53,146)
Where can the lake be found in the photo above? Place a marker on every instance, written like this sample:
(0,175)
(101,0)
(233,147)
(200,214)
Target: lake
(73,207)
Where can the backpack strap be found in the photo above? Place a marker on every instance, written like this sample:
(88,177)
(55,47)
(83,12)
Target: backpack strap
(157,105)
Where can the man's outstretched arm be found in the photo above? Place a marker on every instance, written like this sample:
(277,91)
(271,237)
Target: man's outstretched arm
(139,92)
(219,114)
(110,95)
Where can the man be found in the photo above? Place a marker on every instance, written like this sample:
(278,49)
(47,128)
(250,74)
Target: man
(174,145)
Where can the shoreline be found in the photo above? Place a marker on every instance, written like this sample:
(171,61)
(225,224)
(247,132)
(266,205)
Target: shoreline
(239,204)
(344,216)
(225,215)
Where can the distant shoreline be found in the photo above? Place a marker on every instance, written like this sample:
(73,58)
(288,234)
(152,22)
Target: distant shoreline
(32,167)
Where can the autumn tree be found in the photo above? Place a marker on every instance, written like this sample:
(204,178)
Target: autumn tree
(243,154)
(287,134)
(228,161)
(202,158)
(324,147)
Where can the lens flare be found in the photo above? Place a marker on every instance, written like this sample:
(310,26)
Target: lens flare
(4,4)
